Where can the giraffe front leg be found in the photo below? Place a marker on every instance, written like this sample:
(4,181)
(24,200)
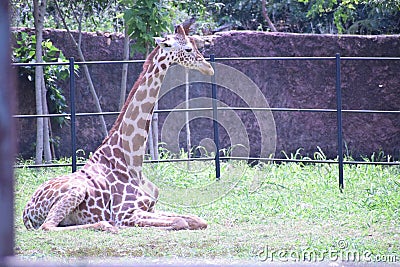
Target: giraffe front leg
(194,222)
(149,219)
(101,226)
(66,204)
(62,207)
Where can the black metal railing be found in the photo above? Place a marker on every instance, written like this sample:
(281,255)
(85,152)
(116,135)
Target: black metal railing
(214,108)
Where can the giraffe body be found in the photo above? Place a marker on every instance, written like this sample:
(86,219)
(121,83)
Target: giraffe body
(110,191)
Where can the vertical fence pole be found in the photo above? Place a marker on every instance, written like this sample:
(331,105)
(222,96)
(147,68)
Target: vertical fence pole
(7,139)
(73,111)
(215,120)
(339,121)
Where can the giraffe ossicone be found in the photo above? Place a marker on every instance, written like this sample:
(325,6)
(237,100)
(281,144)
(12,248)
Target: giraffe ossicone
(110,191)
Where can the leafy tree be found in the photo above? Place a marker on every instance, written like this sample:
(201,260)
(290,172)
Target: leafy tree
(145,19)
(377,17)
(21,13)
(310,16)
(42,124)
(315,16)
(24,52)
(241,14)
(357,16)
(205,12)
(287,16)
(78,10)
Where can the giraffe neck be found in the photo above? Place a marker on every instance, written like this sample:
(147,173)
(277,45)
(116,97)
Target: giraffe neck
(134,127)
(125,146)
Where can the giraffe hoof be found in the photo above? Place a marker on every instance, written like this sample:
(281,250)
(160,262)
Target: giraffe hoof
(106,226)
(196,223)
(200,225)
(46,227)
(179,224)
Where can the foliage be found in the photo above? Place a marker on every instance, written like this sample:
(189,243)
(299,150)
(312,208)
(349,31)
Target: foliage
(206,12)
(144,20)
(96,14)
(290,206)
(287,16)
(242,14)
(148,18)
(357,16)
(93,15)
(21,13)
(316,16)
(303,16)
(24,52)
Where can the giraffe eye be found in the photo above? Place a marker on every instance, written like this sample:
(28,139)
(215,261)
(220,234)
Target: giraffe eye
(188,50)
(167,45)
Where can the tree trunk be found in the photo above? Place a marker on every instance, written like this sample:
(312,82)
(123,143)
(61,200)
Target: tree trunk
(150,143)
(124,77)
(153,130)
(39,8)
(39,121)
(265,15)
(187,122)
(46,126)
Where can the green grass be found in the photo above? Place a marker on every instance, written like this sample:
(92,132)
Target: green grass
(252,212)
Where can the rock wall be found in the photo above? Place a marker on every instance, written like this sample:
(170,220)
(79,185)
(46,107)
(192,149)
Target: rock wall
(366,85)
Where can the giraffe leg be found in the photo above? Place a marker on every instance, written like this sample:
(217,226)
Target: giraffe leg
(101,226)
(150,219)
(194,222)
(66,204)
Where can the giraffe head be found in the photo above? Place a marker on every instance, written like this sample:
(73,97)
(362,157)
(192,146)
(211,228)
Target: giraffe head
(182,49)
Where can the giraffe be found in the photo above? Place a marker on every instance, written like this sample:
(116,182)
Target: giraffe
(110,191)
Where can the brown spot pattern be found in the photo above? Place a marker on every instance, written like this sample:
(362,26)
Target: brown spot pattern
(128,129)
(138,142)
(140,95)
(147,107)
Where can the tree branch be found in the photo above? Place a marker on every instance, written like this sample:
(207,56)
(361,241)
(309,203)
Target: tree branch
(266,17)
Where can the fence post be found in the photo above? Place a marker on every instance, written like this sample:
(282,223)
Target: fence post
(339,121)
(7,139)
(73,111)
(215,120)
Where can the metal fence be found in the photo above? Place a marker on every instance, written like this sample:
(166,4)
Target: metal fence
(217,159)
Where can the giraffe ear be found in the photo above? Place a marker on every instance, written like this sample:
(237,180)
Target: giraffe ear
(187,24)
(180,30)
(163,43)
(158,40)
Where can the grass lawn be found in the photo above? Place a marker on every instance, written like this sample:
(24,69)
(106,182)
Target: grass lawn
(287,212)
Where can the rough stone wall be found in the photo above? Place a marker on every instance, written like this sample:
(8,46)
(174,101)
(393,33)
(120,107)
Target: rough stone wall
(106,79)
(371,85)
(367,84)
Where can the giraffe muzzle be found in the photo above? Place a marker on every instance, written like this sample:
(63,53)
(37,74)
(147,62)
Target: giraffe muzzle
(206,68)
